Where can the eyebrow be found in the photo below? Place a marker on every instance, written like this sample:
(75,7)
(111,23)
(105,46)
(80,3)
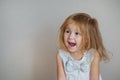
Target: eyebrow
(67,28)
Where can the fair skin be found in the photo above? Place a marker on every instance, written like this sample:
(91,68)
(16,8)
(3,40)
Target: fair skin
(72,40)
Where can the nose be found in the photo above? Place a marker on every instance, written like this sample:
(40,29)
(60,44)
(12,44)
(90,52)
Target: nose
(71,36)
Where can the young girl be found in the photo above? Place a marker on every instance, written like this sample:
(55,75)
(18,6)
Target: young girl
(80,49)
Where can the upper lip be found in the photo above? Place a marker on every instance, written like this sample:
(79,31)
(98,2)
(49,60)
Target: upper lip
(69,42)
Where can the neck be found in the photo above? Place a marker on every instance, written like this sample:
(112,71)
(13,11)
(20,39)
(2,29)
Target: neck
(77,55)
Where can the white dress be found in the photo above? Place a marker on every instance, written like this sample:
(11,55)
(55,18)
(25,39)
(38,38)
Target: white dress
(77,69)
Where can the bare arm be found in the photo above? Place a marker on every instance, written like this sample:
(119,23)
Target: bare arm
(60,68)
(95,67)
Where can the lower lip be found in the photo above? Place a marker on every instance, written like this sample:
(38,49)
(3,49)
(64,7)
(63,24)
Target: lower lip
(71,46)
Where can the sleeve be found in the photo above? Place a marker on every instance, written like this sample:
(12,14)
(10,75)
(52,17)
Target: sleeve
(62,55)
(90,55)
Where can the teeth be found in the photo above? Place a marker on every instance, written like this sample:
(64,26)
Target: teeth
(72,44)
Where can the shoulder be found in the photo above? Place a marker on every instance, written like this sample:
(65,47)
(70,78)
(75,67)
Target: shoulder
(93,55)
(96,56)
(62,54)
(58,59)
(59,55)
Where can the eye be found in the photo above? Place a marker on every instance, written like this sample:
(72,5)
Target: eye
(67,31)
(77,33)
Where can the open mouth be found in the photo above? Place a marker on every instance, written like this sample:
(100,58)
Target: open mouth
(72,44)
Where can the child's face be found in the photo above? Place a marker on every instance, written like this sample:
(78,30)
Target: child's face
(72,38)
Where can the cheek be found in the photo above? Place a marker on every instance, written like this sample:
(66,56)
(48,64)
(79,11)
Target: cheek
(79,40)
(65,37)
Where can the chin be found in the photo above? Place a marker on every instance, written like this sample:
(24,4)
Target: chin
(72,50)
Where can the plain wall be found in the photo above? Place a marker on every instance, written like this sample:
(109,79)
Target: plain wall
(29,29)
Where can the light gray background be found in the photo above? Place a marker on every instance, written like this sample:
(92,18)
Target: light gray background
(29,29)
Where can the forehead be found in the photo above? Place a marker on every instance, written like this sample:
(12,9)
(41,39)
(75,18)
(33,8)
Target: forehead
(73,26)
